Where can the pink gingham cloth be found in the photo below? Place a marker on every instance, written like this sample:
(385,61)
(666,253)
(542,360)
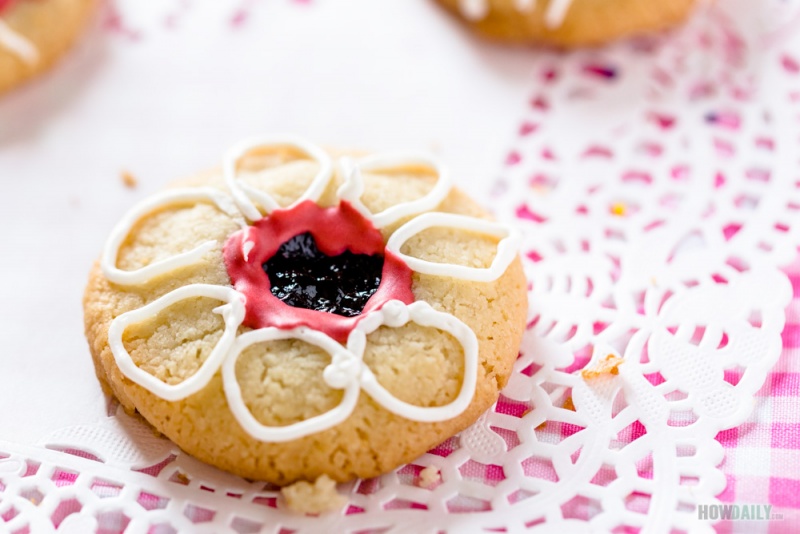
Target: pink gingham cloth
(762,455)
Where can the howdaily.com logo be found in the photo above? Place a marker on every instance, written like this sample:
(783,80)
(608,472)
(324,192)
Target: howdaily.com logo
(736,512)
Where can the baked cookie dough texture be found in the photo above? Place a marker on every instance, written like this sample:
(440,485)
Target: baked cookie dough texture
(568,23)
(35,33)
(167,324)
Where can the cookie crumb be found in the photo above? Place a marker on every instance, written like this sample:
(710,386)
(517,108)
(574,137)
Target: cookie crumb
(619,209)
(129,180)
(429,476)
(569,405)
(307,498)
(609,366)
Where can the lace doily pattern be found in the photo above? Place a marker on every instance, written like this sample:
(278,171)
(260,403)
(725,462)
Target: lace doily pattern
(655,238)
(654,186)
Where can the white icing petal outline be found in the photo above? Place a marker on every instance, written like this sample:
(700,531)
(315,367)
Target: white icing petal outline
(337,374)
(17,44)
(232,312)
(246,196)
(108,261)
(507,248)
(524,5)
(554,15)
(474,9)
(353,186)
(394,314)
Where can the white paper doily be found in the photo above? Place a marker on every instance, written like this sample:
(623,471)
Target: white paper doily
(657,188)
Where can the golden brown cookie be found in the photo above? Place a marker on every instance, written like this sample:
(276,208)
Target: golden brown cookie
(295,314)
(568,23)
(35,33)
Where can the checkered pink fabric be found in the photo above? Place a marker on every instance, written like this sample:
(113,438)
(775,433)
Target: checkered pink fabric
(762,461)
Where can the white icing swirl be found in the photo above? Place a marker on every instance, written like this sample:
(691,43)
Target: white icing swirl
(353,186)
(506,248)
(244,194)
(170,197)
(295,430)
(554,15)
(344,369)
(17,44)
(232,313)
(347,370)
(395,314)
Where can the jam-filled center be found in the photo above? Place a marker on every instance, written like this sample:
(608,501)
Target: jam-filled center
(304,277)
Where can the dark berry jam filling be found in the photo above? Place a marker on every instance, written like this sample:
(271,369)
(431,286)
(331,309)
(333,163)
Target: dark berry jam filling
(324,268)
(304,277)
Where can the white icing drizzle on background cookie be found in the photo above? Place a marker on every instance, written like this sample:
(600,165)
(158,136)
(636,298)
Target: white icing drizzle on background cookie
(525,5)
(17,44)
(474,9)
(554,15)
(347,370)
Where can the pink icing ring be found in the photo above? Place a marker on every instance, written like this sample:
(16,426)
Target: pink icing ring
(6,4)
(335,230)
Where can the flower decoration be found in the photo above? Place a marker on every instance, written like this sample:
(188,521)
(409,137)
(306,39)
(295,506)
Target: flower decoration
(347,227)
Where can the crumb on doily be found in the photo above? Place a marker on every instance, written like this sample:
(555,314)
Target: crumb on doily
(609,366)
(313,498)
(128,180)
(429,476)
(619,209)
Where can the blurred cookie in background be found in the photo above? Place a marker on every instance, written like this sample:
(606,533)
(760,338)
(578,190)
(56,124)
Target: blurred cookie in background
(568,23)
(35,33)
